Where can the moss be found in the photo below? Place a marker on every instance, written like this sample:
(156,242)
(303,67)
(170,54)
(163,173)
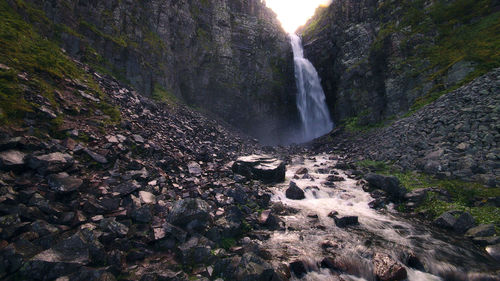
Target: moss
(227,243)
(119,40)
(111,111)
(463,194)
(163,95)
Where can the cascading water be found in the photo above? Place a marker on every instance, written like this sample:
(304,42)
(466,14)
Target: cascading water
(310,234)
(314,114)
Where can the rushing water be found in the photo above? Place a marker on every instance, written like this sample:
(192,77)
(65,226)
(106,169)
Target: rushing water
(314,114)
(440,256)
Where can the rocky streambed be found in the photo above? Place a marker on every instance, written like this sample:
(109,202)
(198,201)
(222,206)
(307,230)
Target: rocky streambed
(323,225)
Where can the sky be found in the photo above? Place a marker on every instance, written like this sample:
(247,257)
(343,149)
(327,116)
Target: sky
(294,13)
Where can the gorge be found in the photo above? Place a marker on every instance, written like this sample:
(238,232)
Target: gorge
(197,140)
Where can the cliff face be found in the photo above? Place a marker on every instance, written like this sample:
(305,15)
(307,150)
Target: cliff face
(379,60)
(227,57)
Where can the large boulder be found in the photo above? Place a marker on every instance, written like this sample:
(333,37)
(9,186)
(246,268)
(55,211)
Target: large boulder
(64,258)
(294,192)
(389,184)
(458,221)
(192,214)
(260,167)
(12,160)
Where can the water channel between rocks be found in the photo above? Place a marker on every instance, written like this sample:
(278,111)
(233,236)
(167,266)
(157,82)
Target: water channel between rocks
(311,235)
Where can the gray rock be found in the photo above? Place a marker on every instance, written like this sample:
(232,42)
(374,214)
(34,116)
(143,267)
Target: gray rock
(260,167)
(249,267)
(194,168)
(126,188)
(416,196)
(485,241)
(64,258)
(114,227)
(457,221)
(483,230)
(464,222)
(193,214)
(147,197)
(51,163)
(63,183)
(388,184)
(12,160)
(446,220)
(294,192)
(387,269)
(196,251)
(96,157)
(142,214)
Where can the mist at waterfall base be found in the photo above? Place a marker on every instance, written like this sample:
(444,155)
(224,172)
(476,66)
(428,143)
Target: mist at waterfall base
(311,103)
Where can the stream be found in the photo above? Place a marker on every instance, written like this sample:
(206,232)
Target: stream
(311,235)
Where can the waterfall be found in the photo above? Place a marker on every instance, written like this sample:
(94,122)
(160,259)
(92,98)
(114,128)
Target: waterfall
(314,113)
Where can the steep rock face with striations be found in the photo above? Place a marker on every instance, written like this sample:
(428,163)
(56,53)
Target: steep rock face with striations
(230,58)
(380,59)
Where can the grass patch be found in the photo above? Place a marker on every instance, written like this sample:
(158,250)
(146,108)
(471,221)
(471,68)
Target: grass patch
(464,195)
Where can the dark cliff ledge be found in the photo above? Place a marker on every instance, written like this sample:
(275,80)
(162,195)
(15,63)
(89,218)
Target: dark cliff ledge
(381,60)
(230,58)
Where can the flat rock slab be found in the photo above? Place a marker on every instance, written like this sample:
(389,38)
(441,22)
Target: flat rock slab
(260,167)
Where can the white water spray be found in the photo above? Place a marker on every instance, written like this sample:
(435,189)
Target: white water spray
(316,120)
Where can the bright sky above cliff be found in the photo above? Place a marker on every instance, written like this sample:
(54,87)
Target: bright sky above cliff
(294,13)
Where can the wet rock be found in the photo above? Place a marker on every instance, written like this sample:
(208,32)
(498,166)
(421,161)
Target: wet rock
(51,163)
(483,230)
(12,160)
(387,269)
(294,192)
(260,167)
(388,184)
(485,241)
(64,183)
(193,214)
(334,178)
(299,268)
(302,171)
(345,221)
(494,251)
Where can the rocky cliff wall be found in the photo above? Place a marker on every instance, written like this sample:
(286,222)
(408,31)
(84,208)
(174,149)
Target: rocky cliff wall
(379,60)
(227,57)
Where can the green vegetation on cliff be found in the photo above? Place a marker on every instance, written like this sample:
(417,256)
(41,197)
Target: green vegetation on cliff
(461,30)
(34,68)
